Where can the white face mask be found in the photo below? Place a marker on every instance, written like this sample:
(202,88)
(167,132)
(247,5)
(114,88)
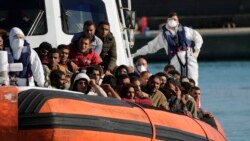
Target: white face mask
(172,23)
(17,47)
(66,86)
(141,68)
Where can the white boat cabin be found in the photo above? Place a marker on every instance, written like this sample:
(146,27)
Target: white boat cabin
(56,21)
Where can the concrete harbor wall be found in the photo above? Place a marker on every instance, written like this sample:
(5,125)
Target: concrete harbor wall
(216,46)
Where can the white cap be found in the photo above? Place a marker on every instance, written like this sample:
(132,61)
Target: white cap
(81,76)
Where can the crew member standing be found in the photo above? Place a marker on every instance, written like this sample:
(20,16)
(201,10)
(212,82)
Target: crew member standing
(19,51)
(176,40)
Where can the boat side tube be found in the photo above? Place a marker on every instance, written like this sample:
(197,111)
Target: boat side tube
(57,115)
(8,114)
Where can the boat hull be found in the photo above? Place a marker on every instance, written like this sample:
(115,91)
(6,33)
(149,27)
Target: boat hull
(53,115)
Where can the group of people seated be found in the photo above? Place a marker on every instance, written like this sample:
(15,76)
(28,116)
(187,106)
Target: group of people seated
(88,65)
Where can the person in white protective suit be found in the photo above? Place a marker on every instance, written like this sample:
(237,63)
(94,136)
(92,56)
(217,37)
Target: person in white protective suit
(19,51)
(176,40)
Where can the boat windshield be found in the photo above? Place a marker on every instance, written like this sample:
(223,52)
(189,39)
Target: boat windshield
(17,13)
(75,12)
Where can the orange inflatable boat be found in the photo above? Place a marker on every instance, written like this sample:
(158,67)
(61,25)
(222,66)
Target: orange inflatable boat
(54,115)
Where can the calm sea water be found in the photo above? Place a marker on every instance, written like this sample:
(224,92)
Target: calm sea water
(225,92)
